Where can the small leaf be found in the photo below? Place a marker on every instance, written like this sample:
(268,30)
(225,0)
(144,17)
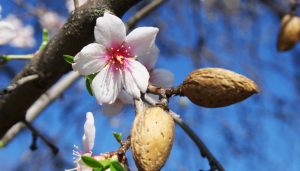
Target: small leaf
(91,162)
(118,137)
(116,166)
(105,163)
(69,59)
(45,35)
(88,86)
(98,169)
(88,82)
(45,39)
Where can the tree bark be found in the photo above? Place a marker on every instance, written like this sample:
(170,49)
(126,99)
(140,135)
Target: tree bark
(49,64)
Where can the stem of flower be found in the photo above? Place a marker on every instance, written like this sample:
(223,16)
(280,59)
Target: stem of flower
(6,58)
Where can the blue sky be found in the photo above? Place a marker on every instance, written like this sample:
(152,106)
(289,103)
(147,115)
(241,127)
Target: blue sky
(260,133)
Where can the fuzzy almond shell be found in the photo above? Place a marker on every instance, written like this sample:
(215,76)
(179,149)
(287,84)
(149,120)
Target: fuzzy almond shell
(289,33)
(152,137)
(217,87)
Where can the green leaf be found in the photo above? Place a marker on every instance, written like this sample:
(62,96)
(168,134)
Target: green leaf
(98,169)
(88,86)
(116,166)
(88,82)
(69,59)
(118,137)
(105,163)
(91,162)
(45,35)
(45,39)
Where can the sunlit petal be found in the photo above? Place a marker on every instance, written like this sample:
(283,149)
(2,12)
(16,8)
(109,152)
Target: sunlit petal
(109,30)
(90,59)
(141,39)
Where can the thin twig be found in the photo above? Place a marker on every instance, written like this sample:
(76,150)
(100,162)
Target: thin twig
(37,107)
(204,151)
(41,136)
(143,12)
(76,4)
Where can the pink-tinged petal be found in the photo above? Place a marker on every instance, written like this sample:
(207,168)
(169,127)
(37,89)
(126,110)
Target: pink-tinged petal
(161,78)
(125,97)
(90,59)
(141,40)
(112,109)
(140,75)
(150,58)
(7,32)
(107,85)
(130,85)
(109,31)
(89,132)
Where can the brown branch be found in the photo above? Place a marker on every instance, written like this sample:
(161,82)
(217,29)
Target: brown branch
(143,12)
(36,133)
(204,151)
(49,64)
(37,107)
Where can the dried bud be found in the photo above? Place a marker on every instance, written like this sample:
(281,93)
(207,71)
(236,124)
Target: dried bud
(217,87)
(289,33)
(152,137)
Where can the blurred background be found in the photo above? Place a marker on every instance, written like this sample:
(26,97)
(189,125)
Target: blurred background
(260,133)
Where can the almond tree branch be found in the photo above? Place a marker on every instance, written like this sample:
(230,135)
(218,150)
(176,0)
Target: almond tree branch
(204,151)
(49,64)
(38,106)
(53,93)
(143,12)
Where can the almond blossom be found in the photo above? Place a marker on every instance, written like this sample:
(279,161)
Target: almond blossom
(113,57)
(24,35)
(88,143)
(158,77)
(7,32)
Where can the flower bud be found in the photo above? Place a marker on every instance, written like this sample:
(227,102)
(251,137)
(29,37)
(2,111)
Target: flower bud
(217,87)
(289,33)
(152,137)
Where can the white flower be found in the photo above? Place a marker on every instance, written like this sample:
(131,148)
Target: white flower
(24,37)
(158,77)
(50,20)
(7,32)
(113,58)
(88,143)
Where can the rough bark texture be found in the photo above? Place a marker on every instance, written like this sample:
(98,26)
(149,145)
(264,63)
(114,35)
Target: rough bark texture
(49,64)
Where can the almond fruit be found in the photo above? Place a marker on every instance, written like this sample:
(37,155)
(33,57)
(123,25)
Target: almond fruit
(217,87)
(289,33)
(152,137)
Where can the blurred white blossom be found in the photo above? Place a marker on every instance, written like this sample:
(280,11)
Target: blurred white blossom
(24,35)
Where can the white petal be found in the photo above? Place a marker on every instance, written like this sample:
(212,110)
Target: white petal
(7,32)
(90,59)
(112,109)
(107,85)
(140,75)
(89,132)
(109,30)
(161,78)
(150,58)
(141,40)
(125,97)
(130,85)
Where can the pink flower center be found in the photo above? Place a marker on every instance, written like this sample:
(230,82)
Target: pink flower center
(117,58)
